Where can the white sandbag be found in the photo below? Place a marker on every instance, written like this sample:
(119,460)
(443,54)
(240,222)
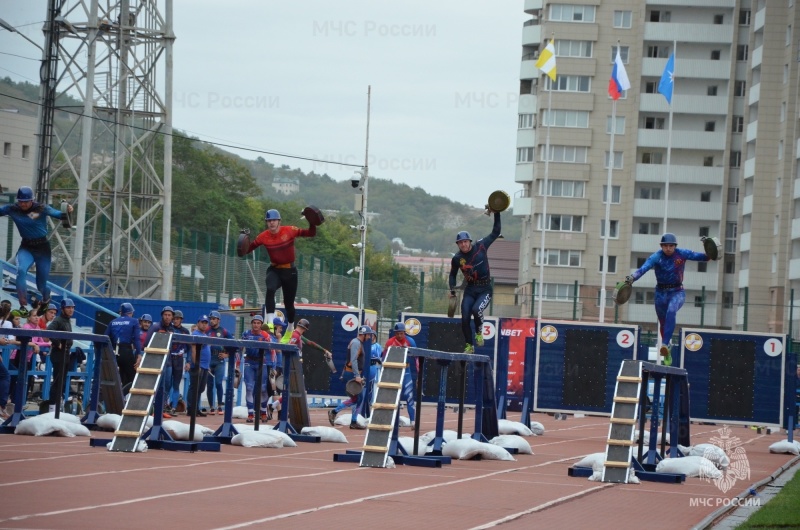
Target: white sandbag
(258,439)
(63,417)
(596,461)
(403,421)
(390,463)
(109,422)
(714,453)
(42,426)
(287,440)
(180,431)
(240,413)
(408,444)
(785,446)
(447,435)
(513,441)
(514,427)
(691,466)
(490,451)
(647,437)
(632,478)
(344,420)
(537,428)
(463,449)
(326,434)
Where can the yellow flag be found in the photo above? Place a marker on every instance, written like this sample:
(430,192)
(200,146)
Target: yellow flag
(547,61)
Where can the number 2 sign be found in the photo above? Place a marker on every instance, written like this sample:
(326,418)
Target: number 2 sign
(625,338)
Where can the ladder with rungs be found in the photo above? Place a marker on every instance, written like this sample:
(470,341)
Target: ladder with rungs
(384,409)
(142,393)
(624,412)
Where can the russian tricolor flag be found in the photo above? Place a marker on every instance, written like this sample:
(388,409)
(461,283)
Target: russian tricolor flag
(619,79)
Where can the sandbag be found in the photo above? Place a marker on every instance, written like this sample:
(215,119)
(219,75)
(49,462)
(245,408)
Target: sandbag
(691,466)
(513,441)
(258,439)
(326,434)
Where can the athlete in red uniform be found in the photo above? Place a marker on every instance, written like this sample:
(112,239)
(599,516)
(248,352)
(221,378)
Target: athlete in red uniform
(279,242)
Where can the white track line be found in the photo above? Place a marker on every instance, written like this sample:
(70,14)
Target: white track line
(384,495)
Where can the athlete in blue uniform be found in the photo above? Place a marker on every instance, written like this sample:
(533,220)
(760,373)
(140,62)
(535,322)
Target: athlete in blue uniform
(473,261)
(31,220)
(124,332)
(668,263)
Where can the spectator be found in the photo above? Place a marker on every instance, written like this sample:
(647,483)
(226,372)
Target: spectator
(197,366)
(59,352)
(216,369)
(173,370)
(251,365)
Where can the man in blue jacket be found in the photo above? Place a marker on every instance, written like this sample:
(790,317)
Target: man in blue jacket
(124,332)
(199,361)
(30,217)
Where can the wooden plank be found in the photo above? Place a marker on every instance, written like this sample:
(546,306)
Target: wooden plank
(388,364)
(610,463)
(393,386)
(384,406)
(156,351)
(375,448)
(631,400)
(153,371)
(624,421)
(380,427)
(131,412)
(628,379)
(143,391)
(621,442)
(127,434)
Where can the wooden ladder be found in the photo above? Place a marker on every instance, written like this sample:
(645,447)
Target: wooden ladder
(624,412)
(384,409)
(145,386)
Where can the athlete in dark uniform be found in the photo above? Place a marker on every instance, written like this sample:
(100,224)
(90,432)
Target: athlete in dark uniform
(281,274)
(473,261)
(124,332)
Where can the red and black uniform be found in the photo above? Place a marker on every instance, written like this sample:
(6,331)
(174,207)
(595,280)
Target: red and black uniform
(281,274)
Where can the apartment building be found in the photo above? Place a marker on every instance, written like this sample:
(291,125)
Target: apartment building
(732,151)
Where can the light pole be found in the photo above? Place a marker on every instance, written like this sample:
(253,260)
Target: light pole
(363,186)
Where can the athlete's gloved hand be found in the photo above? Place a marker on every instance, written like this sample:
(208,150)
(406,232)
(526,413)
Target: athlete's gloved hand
(629,280)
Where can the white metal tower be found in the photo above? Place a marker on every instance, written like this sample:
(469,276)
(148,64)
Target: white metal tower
(112,156)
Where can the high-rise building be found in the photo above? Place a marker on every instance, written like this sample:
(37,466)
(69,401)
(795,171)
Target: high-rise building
(727,167)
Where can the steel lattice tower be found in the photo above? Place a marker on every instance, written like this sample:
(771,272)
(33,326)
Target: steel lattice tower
(112,156)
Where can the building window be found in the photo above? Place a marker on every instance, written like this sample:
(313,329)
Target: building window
(612,264)
(564,188)
(718,19)
(613,229)
(574,48)
(715,55)
(698,300)
(744,17)
(623,19)
(652,158)
(652,122)
(736,159)
(710,126)
(26,151)
(785,73)
(708,161)
(558,291)
(620,125)
(742,52)
(623,53)
(572,83)
(524,154)
(711,90)
(739,89)
(780,150)
(640,262)
(646,297)
(705,196)
(617,159)
(789,35)
(616,192)
(731,229)
(566,118)
(571,13)
(657,52)
(6,148)
(650,193)
(703,231)
(730,264)
(563,223)
(733,195)
(727,300)
(649,228)
(560,258)
(569,154)
(526,121)
(650,87)
(660,16)
(737,124)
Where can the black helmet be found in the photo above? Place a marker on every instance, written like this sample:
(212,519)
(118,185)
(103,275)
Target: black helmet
(303,323)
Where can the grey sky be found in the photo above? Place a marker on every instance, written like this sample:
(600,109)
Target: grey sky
(292,77)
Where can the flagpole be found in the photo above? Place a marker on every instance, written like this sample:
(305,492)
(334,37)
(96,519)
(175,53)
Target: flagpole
(669,140)
(544,199)
(607,222)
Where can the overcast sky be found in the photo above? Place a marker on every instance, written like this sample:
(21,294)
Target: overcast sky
(292,77)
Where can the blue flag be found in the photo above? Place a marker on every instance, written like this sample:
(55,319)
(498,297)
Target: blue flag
(667,81)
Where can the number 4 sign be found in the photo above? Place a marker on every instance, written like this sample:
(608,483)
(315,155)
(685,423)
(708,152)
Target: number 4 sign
(349,322)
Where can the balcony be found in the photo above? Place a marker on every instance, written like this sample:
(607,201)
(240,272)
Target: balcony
(795,228)
(526,137)
(524,172)
(749,168)
(758,22)
(527,104)
(528,70)
(751,132)
(692,3)
(679,174)
(533,5)
(522,206)
(691,210)
(794,269)
(755,94)
(689,68)
(532,33)
(686,32)
(744,277)
(658,138)
(756,57)
(688,104)
(744,242)
(747,205)
(796,194)
(645,243)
